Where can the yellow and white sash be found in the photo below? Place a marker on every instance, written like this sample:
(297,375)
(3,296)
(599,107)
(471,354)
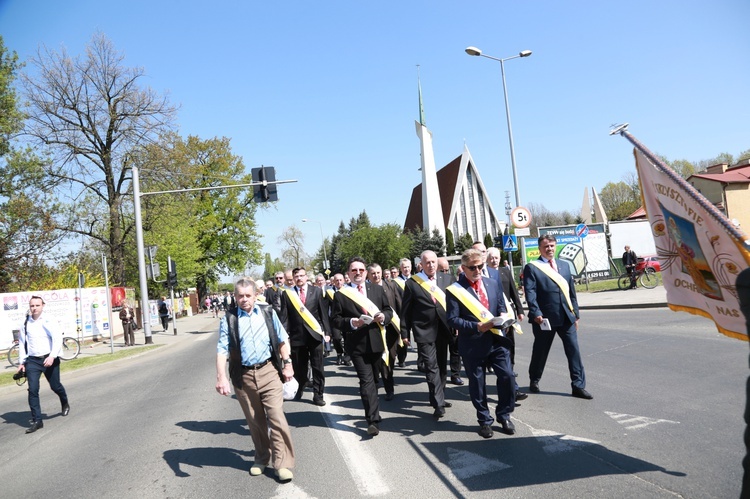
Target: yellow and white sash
(303,312)
(367,305)
(432,289)
(473,305)
(557,279)
(401,283)
(330,293)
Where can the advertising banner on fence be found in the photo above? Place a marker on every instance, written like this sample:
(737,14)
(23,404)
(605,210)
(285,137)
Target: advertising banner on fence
(579,253)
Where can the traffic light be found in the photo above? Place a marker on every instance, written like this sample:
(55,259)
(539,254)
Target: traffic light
(265,191)
(172,273)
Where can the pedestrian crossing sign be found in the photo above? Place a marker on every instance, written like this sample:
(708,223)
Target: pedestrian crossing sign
(510,243)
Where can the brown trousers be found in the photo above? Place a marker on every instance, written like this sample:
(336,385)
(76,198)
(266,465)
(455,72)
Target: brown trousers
(262,403)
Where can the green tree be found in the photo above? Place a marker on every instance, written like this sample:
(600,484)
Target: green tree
(214,225)
(450,245)
(271,266)
(463,243)
(488,240)
(91,113)
(617,200)
(384,244)
(27,209)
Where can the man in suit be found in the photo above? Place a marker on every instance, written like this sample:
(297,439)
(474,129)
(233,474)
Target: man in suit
(392,334)
(342,358)
(472,305)
(304,315)
(510,290)
(551,297)
(400,277)
(454,357)
(273,293)
(361,312)
(423,313)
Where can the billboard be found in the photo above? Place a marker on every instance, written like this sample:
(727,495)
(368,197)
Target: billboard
(588,254)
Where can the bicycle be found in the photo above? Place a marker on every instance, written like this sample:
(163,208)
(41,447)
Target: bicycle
(70,349)
(646,278)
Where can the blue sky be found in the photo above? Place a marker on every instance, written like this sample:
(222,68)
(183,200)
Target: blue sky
(327,91)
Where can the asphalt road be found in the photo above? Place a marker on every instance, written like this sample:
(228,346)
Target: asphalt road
(666,421)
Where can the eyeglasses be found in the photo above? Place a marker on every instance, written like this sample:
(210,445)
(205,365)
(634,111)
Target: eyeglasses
(475,267)
(358,270)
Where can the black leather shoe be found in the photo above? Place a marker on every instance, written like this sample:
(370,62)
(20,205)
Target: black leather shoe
(447,405)
(347,361)
(373,429)
(508,427)
(534,387)
(521,395)
(582,394)
(319,401)
(457,380)
(486,431)
(439,413)
(401,364)
(35,426)
(389,396)
(65,409)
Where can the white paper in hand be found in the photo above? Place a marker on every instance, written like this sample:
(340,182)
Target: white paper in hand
(545,325)
(365,318)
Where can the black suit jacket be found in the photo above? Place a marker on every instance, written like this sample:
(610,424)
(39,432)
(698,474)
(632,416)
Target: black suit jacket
(299,332)
(420,314)
(393,295)
(510,289)
(366,339)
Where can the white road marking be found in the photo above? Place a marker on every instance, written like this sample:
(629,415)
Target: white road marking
(290,491)
(632,422)
(363,467)
(202,337)
(554,442)
(464,464)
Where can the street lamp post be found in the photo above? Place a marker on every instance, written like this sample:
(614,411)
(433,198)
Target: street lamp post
(525,53)
(325,256)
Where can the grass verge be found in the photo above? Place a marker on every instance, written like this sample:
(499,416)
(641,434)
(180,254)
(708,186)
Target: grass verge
(87,361)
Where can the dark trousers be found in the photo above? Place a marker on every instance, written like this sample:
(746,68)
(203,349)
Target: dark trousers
(127,333)
(311,352)
(455,358)
(164,322)
(542,343)
(367,366)
(387,370)
(401,353)
(34,369)
(434,358)
(498,359)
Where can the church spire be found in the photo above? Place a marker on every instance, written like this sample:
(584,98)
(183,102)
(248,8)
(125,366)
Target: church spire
(421,107)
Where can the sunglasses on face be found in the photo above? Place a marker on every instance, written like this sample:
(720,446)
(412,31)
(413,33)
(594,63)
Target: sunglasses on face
(474,268)
(358,270)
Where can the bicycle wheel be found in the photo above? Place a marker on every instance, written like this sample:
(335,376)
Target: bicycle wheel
(623,282)
(70,348)
(648,279)
(13,355)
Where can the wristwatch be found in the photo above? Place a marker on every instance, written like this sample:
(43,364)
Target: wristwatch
(286,361)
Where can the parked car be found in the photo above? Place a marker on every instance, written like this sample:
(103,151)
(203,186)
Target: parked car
(648,261)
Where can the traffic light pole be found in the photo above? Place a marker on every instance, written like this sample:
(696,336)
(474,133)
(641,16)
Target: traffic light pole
(143,281)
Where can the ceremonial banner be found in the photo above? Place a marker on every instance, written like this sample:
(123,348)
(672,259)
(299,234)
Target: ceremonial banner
(700,251)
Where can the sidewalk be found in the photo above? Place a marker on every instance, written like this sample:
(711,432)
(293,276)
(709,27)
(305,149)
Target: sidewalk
(628,298)
(187,327)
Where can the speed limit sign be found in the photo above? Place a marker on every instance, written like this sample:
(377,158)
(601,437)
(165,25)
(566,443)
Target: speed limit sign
(520,217)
